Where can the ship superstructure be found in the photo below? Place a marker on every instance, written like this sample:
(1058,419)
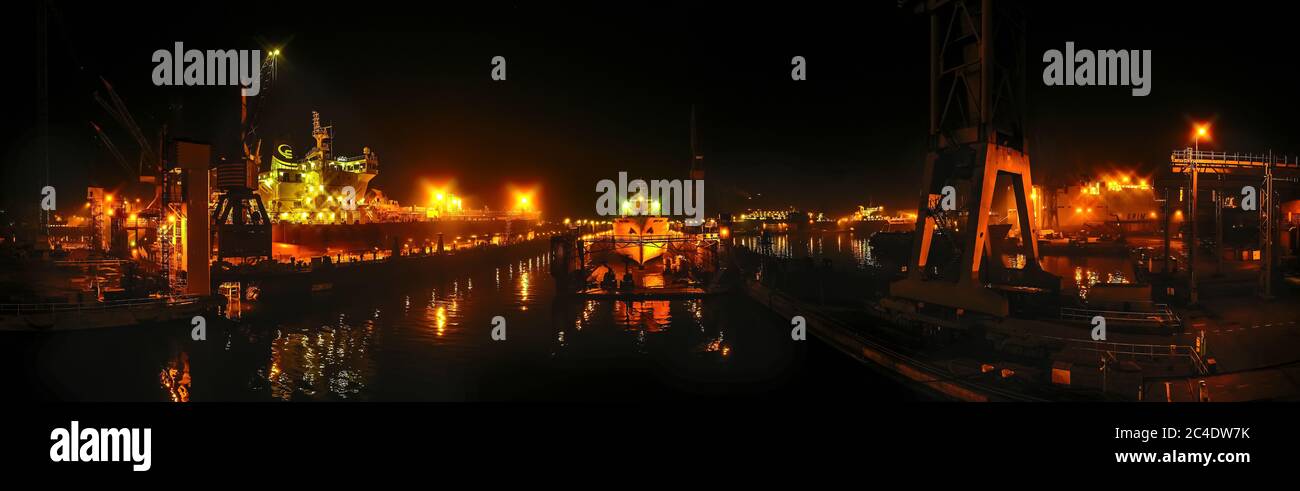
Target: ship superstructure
(316,187)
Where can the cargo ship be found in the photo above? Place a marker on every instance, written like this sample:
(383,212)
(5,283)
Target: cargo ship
(868,220)
(323,204)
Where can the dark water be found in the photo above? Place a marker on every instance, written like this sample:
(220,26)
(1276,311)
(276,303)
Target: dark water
(433,342)
(844,249)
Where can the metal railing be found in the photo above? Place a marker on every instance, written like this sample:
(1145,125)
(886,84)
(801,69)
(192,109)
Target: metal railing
(623,240)
(679,237)
(1160,315)
(1133,351)
(47,308)
(91,262)
(1211,159)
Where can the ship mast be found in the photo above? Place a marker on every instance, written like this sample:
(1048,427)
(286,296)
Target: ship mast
(697,161)
(324,137)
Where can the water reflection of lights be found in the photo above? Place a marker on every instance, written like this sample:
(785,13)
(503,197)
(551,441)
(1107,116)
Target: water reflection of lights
(442,312)
(644,316)
(717,345)
(696,308)
(1086,278)
(860,251)
(588,308)
(863,256)
(523,290)
(329,361)
(441,320)
(175,378)
(524,287)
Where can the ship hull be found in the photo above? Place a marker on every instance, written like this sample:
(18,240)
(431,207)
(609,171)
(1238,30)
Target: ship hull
(634,237)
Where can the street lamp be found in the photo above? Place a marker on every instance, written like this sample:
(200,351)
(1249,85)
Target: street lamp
(1202,131)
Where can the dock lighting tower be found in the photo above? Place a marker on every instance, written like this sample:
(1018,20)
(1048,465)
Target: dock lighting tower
(523,200)
(273,62)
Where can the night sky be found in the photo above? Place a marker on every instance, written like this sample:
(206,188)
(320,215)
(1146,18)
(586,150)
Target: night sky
(593,90)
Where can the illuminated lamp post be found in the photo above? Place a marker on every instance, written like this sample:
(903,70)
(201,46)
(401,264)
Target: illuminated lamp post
(1202,131)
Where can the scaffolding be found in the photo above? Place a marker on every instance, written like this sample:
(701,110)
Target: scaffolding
(1265,166)
(171,231)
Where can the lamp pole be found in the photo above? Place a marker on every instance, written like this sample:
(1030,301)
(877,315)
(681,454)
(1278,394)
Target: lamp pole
(1193,294)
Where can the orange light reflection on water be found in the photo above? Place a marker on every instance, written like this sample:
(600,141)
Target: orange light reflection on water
(175,378)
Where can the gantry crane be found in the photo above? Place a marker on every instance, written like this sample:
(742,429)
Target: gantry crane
(242,224)
(977,136)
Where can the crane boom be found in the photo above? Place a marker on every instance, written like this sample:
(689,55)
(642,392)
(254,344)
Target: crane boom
(119,111)
(112,149)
